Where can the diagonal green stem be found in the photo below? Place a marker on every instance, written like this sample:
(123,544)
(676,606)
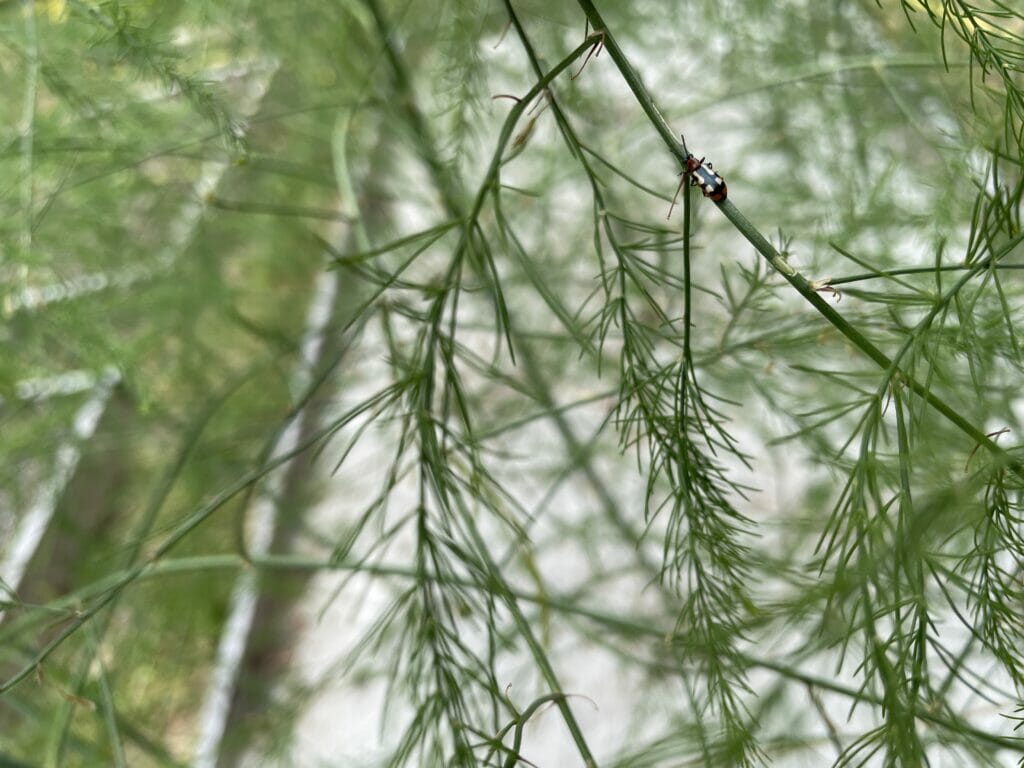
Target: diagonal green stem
(452,195)
(779,263)
(859,340)
(615,624)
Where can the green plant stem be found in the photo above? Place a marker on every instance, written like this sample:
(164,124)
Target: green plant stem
(859,340)
(532,370)
(180,532)
(27,127)
(452,196)
(778,262)
(634,82)
(909,271)
(569,605)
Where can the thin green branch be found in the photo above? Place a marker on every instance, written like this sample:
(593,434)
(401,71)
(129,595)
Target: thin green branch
(440,344)
(629,626)
(803,286)
(886,273)
(27,126)
(179,533)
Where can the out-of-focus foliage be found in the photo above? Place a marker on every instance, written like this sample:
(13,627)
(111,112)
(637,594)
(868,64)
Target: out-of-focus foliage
(551,431)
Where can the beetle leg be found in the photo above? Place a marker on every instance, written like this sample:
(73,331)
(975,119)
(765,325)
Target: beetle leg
(682,180)
(595,50)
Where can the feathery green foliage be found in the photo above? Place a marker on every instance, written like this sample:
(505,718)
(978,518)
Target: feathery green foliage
(594,487)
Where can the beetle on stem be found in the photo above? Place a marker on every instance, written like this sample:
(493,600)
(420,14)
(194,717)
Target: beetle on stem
(703,175)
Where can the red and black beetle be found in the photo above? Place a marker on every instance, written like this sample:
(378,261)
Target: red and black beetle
(703,175)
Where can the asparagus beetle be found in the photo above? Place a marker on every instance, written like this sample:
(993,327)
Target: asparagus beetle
(703,175)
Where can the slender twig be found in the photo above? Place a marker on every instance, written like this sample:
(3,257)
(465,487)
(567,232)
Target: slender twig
(27,125)
(803,286)
(629,626)
(452,199)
